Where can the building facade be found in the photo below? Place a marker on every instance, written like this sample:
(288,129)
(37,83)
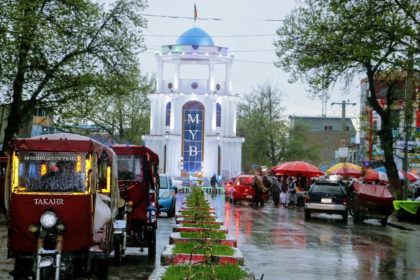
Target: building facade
(193,111)
(329,133)
(371,121)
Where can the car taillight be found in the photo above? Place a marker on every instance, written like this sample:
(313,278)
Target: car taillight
(345,202)
(237,183)
(307,198)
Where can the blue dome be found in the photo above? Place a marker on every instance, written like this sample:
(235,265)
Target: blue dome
(195,36)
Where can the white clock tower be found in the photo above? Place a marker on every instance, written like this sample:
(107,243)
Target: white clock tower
(193,111)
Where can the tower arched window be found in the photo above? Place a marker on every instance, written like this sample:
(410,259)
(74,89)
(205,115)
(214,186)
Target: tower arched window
(168,114)
(218,115)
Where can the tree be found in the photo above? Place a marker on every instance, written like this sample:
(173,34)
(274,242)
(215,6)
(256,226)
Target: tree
(326,41)
(299,146)
(59,52)
(268,138)
(124,114)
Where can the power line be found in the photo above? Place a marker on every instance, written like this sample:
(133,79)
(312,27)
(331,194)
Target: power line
(153,48)
(251,61)
(209,18)
(213,36)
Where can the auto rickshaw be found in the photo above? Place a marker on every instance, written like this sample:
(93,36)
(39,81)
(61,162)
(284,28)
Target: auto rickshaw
(138,184)
(3,168)
(61,201)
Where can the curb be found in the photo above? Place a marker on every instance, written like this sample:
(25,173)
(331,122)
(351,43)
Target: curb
(392,224)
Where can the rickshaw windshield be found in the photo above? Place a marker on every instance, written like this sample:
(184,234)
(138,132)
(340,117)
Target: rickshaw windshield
(130,167)
(52,172)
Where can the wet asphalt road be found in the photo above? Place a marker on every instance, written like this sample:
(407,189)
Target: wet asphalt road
(280,244)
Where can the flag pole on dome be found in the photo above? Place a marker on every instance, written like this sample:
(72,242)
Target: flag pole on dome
(195,13)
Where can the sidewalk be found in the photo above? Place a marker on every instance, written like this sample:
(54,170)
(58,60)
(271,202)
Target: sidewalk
(393,221)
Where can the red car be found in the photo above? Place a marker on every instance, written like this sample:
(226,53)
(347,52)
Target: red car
(242,189)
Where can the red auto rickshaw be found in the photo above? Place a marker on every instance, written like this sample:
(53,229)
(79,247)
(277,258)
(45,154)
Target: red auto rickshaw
(61,201)
(138,184)
(369,201)
(3,168)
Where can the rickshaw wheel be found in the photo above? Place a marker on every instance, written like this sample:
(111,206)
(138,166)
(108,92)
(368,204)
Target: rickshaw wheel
(384,221)
(47,273)
(356,216)
(22,269)
(118,250)
(307,214)
(101,269)
(345,216)
(152,244)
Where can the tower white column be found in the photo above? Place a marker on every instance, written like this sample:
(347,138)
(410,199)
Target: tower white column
(159,74)
(177,75)
(212,80)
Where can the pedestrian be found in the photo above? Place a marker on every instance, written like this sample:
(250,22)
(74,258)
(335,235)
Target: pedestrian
(284,190)
(275,191)
(292,192)
(258,189)
(213,183)
(268,184)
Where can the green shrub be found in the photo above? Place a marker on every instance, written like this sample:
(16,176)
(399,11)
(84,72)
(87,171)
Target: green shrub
(198,248)
(222,272)
(201,225)
(206,234)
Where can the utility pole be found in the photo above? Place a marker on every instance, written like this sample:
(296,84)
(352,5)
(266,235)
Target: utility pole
(343,120)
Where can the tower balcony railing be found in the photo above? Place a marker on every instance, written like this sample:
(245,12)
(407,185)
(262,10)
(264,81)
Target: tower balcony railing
(197,86)
(194,50)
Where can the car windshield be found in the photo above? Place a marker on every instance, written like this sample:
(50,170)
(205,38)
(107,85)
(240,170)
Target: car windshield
(163,182)
(332,189)
(51,172)
(129,167)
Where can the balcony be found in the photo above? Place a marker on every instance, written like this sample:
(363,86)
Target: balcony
(197,86)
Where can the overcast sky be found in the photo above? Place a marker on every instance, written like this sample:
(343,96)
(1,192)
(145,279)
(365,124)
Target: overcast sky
(247,28)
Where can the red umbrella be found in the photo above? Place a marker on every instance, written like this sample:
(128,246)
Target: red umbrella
(374,175)
(410,176)
(294,168)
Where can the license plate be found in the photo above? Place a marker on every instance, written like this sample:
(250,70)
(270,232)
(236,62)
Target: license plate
(249,196)
(326,200)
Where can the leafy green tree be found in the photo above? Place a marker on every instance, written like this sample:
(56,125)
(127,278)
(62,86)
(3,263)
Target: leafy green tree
(268,138)
(124,114)
(298,145)
(58,52)
(325,41)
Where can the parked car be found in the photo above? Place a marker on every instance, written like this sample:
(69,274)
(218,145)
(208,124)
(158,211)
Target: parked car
(242,189)
(326,197)
(167,195)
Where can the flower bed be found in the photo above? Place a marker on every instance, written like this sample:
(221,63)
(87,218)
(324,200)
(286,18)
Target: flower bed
(199,227)
(187,220)
(222,272)
(173,255)
(200,247)
(177,237)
